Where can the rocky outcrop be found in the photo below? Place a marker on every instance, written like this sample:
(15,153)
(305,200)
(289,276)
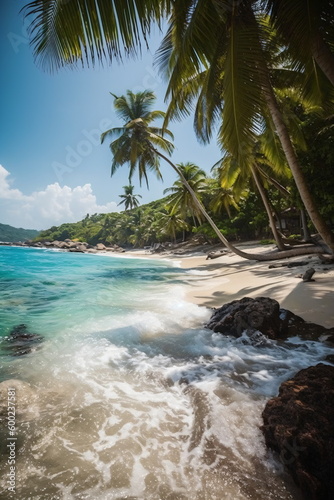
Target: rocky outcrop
(20,341)
(298,424)
(70,246)
(262,317)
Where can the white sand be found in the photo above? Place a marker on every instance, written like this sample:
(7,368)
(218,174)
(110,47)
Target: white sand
(212,283)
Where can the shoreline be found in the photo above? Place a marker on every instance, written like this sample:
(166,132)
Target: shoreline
(212,283)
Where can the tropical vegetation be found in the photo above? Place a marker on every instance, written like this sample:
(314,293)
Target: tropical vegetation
(13,234)
(251,70)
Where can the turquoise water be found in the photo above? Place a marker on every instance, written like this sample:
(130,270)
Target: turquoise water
(50,290)
(129,396)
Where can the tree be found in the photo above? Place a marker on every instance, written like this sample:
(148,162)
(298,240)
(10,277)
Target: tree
(181,199)
(219,43)
(307,28)
(137,143)
(128,198)
(171,223)
(65,33)
(220,58)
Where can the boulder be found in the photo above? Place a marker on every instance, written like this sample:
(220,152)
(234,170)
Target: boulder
(247,315)
(262,315)
(298,424)
(63,244)
(100,246)
(78,248)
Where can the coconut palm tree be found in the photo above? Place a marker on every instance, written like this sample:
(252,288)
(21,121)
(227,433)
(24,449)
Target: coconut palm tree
(180,198)
(65,33)
(171,222)
(128,198)
(136,143)
(225,38)
(307,28)
(220,59)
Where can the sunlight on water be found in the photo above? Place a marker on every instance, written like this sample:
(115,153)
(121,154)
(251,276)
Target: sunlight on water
(129,396)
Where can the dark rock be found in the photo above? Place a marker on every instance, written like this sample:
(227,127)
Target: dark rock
(299,425)
(248,315)
(263,315)
(307,276)
(20,341)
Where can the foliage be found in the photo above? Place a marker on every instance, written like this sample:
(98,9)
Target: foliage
(155,222)
(12,234)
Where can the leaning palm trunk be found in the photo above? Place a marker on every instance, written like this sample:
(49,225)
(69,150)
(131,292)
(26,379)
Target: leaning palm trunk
(267,206)
(324,57)
(293,162)
(240,253)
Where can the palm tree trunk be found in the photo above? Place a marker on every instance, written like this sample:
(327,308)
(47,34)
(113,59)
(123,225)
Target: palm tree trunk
(305,229)
(240,253)
(324,57)
(293,162)
(267,206)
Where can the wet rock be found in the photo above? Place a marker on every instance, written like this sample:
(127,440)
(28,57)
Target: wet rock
(247,315)
(20,341)
(298,424)
(263,315)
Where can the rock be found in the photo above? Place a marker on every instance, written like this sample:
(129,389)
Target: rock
(63,244)
(20,341)
(25,399)
(307,276)
(248,315)
(330,358)
(100,246)
(263,315)
(78,248)
(299,425)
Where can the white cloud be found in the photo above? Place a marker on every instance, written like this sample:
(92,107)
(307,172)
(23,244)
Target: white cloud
(43,209)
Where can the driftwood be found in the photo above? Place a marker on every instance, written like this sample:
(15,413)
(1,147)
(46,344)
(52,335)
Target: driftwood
(289,264)
(326,259)
(215,255)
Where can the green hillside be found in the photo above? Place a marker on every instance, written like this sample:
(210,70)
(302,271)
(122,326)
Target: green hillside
(12,234)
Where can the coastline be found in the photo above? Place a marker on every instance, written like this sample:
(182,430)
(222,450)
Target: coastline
(212,283)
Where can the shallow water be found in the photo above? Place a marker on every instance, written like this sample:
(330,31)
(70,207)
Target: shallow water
(132,397)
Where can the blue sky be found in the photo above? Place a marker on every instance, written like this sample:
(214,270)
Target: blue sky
(52,167)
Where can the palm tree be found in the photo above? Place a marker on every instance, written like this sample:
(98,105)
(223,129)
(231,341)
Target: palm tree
(65,33)
(219,44)
(307,29)
(181,199)
(171,223)
(128,198)
(137,143)
(220,59)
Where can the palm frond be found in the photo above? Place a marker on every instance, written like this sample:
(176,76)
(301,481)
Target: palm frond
(87,31)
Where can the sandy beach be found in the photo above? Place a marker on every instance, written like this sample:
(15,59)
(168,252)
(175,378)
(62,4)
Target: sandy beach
(212,283)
